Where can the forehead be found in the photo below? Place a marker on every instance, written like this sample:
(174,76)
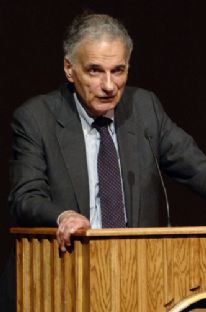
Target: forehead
(102,52)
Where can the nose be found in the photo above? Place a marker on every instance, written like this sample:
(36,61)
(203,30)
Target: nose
(107,83)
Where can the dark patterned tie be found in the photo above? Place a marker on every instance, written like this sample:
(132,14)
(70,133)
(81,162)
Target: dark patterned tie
(110,189)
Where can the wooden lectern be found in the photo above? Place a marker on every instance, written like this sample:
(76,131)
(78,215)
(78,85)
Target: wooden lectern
(109,270)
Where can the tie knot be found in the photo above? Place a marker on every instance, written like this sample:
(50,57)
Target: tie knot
(101,122)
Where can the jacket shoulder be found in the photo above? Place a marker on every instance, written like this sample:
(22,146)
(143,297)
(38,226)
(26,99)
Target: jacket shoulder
(139,100)
(139,94)
(40,103)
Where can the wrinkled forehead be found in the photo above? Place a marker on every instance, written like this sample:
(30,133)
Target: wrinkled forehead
(108,47)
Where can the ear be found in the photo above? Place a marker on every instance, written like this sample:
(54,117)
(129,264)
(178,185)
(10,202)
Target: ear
(68,70)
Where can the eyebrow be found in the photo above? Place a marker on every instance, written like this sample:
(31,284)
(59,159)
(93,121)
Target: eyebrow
(120,66)
(93,65)
(98,66)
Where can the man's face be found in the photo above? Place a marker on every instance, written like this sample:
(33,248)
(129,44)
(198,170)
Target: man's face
(99,74)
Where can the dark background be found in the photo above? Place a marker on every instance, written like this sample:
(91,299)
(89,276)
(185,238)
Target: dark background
(168,58)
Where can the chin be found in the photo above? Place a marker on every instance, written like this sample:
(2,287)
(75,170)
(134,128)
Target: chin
(103,111)
(106,106)
(100,108)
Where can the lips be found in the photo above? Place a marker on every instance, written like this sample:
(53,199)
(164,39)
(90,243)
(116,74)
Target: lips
(106,98)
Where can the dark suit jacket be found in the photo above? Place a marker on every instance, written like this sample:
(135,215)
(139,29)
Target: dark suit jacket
(49,171)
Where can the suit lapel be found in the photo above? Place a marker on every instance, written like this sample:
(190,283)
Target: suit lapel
(71,140)
(127,136)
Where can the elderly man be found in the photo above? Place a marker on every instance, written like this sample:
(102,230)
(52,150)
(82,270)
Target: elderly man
(84,153)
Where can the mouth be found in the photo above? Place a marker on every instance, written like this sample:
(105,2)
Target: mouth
(106,99)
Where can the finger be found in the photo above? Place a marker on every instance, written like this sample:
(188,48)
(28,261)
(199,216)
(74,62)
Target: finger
(60,239)
(69,225)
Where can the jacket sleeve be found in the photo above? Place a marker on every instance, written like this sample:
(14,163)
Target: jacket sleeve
(179,155)
(30,198)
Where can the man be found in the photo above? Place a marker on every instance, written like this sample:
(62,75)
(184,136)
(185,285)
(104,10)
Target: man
(54,172)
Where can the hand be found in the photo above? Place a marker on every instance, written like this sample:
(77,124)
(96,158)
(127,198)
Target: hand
(69,223)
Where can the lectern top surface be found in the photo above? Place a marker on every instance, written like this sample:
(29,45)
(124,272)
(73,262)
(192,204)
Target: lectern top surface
(155,231)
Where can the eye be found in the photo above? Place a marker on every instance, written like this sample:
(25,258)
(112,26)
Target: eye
(118,70)
(94,71)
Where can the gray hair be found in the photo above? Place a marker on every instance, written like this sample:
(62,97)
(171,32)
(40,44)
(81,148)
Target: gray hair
(94,27)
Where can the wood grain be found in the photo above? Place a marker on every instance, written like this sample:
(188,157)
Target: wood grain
(36,273)
(109,270)
(26,275)
(168,271)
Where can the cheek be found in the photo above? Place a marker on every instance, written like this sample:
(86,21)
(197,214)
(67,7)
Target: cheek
(84,88)
(121,83)
(93,88)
